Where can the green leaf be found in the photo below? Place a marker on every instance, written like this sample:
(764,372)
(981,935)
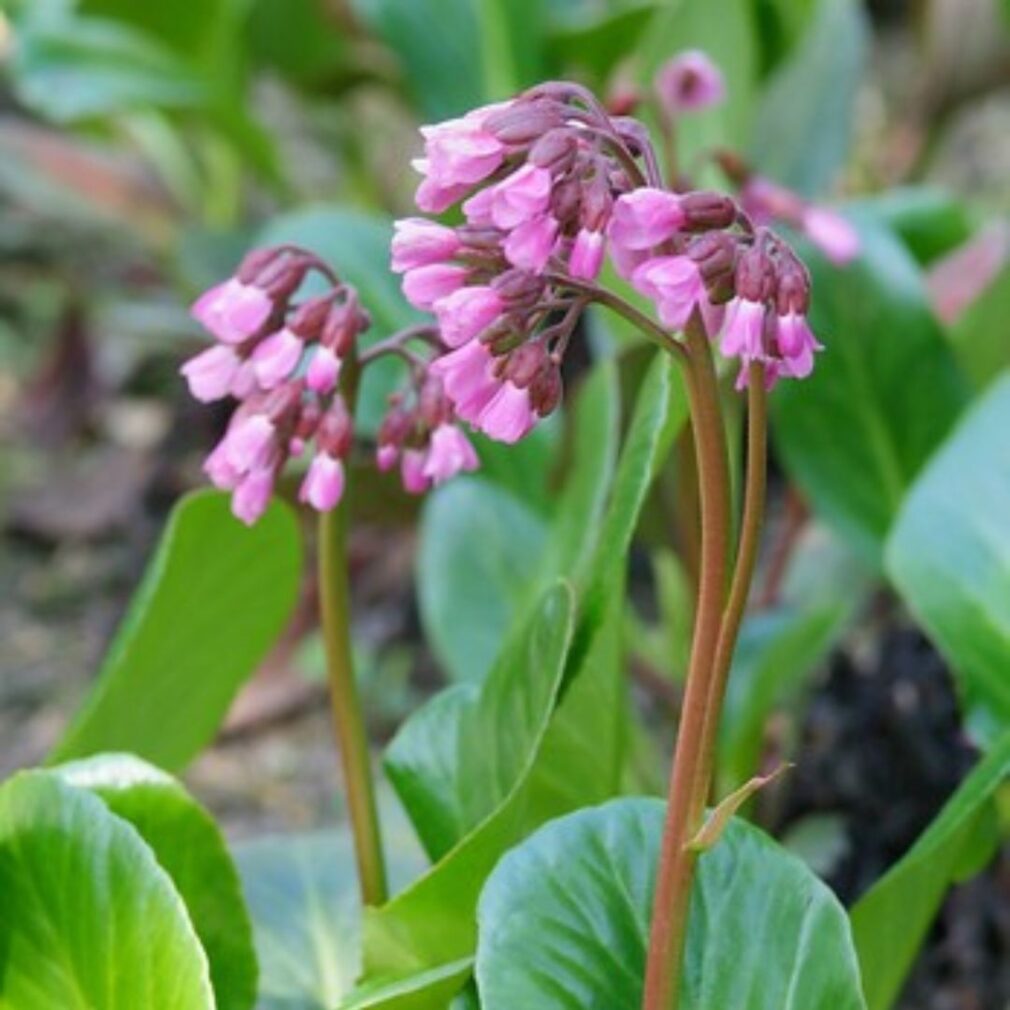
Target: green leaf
(432,922)
(890,921)
(564,920)
(980,336)
(949,557)
(469,597)
(303,895)
(416,990)
(213,601)
(74,68)
(356,245)
(718,819)
(438,44)
(87,916)
(929,221)
(597,42)
(585,748)
(304,902)
(458,758)
(189,847)
(884,393)
(803,125)
(512,36)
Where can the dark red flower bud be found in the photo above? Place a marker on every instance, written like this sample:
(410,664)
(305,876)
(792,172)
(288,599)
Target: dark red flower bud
(518,288)
(704,211)
(755,274)
(433,406)
(336,430)
(597,203)
(308,319)
(715,253)
(546,389)
(566,198)
(555,150)
(793,289)
(255,262)
(524,121)
(524,364)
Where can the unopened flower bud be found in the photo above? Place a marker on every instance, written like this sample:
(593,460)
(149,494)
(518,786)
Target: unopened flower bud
(340,329)
(715,254)
(597,203)
(523,365)
(308,319)
(555,150)
(308,421)
(502,337)
(519,288)
(566,199)
(523,122)
(433,406)
(283,276)
(704,211)
(255,262)
(545,390)
(395,427)
(755,275)
(793,290)
(336,430)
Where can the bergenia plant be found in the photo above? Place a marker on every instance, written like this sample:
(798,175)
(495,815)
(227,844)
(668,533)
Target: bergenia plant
(551,187)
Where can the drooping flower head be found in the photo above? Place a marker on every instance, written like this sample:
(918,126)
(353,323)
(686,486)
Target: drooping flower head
(549,184)
(283,360)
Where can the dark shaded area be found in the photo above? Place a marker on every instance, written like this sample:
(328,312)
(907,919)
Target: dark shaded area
(882,747)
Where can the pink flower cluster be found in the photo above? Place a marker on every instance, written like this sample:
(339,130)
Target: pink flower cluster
(282,362)
(749,289)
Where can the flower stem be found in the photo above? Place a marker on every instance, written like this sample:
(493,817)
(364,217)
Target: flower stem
(687,790)
(345,704)
(715,637)
(746,560)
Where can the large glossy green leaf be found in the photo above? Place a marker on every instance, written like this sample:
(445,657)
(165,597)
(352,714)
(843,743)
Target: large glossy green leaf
(949,556)
(87,916)
(189,847)
(304,903)
(303,895)
(212,602)
(438,46)
(803,125)
(458,758)
(496,729)
(469,597)
(356,244)
(512,44)
(563,921)
(890,921)
(884,393)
